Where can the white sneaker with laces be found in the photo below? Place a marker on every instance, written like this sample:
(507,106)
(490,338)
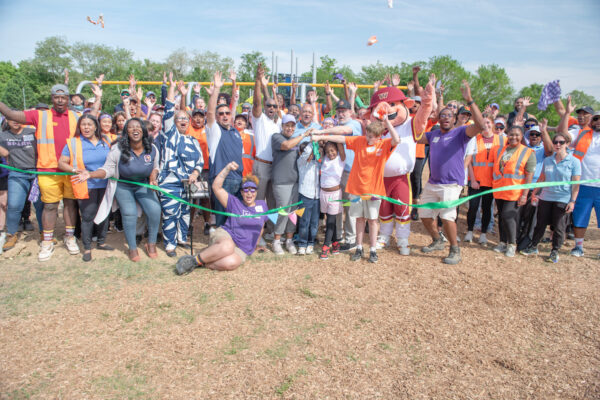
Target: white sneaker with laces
(310,249)
(71,244)
(403,247)
(382,242)
(291,248)
(46,250)
(483,239)
(469,237)
(277,249)
(301,251)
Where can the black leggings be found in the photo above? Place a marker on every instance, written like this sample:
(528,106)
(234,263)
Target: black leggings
(415,176)
(88,209)
(486,208)
(330,230)
(550,213)
(508,213)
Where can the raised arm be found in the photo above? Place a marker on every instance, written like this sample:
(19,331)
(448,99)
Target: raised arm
(234,88)
(13,115)
(257,99)
(217,187)
(418,88)
(479,124)
(548,146)
(427,100)
(352,88)
(98,103)
(563,125)
(328,92)
(293,95)
(211,112)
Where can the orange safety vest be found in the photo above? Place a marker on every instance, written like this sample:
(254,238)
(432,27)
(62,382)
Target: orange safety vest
(248,154)
(80,190)
(582,143)
(44,134)
(483,163)
(513,172)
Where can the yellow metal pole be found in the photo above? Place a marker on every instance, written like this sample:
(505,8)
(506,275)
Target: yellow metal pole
(281,84)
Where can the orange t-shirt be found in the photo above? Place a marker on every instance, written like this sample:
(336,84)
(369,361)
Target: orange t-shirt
(200,135)
(421,146)
(366,175)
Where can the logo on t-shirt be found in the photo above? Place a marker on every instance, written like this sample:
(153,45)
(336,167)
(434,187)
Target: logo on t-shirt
(147,158)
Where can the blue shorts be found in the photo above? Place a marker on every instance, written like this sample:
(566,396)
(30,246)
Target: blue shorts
(588,198)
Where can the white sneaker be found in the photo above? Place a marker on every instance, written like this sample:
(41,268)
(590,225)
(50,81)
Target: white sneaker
(289,245)
(511,249)
(46,250)
(403,247)
(382,241)
(276,246)
(469,237)
(2,240)
(71,244)
(482,239)
(310,249)
(501,248)
(301,251)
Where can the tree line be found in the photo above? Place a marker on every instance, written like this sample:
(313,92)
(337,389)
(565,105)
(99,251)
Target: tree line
(28,83)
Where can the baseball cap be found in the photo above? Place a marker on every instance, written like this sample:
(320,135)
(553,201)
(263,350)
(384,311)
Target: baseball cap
(246,105)
(500,121)
(597,113)
(198,111)
(534,128)
(495,105)
(416,98)
(342,104)
(464,110)
(287,118)
(59,89)
(150,93)
(125,92)
(587,109)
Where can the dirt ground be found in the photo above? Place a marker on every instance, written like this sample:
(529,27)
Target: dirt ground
(408,327)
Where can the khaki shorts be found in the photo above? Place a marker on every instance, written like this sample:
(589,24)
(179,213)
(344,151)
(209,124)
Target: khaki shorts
(221,233)
(54,188)
(368,209)
(433,193)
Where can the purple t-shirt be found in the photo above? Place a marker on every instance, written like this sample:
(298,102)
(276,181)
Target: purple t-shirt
(245,231)
(447,155)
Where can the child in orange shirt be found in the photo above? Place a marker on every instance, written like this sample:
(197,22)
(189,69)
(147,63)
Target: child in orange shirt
(366,177)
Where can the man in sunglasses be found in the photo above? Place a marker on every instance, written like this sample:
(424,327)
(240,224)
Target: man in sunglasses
(224,145)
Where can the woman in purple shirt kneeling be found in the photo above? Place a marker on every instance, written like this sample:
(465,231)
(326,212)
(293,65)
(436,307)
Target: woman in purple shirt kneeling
(231,243)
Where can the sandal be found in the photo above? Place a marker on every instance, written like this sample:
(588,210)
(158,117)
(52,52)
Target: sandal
(151,250)
(134,255)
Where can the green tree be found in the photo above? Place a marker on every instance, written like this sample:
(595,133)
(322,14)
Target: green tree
(53,53)
(582,99)
(491,84)
(247,70)
(451,73)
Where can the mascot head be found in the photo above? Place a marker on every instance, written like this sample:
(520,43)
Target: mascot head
(391,101)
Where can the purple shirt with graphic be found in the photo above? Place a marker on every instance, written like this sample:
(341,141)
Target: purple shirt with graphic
(447,155)
(245,231)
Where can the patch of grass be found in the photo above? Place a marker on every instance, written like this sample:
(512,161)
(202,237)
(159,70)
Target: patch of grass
(127,316)
(203,298)
(310,357)
(228,295)
(288,381)
(279,351)
(308,277)
(124,385)
(249,313)
(186,316)
(307,292)
(236,344)
(351,357)
(385,346)
(104,315)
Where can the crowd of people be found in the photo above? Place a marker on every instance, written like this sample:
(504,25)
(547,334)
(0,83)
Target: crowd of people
(340,158)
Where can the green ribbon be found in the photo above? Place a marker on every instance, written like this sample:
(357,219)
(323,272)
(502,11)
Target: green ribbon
(158,189)
(455,203)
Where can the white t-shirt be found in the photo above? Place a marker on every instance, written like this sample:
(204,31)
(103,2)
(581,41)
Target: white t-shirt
(402,159)
(590,165)
(264,128)
(331,172)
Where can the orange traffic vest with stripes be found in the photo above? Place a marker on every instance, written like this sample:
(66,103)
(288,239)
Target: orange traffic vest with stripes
(45,137)
(582,143)
(248,154)
(80,190)
(513,172)
(483,162)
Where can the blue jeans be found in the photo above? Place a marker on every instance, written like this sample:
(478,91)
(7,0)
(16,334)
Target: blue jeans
(126,196)
(232,186)
(19,185)
(308,224)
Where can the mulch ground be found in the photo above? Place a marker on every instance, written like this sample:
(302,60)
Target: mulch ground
(408,327)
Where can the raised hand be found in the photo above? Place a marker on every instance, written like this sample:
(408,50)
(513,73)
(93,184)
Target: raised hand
(66,76)
(164,78)
(97,91)
(100,79)
(544,125)
(465,89)
(218,80)
(570,107)
(352,87)
(527,102)
(182,88)
(197,88)
(432,80)
(139,93)
(232,166)
(376,85)
(416,69)
(295,85)
(210,90)
(410,86)
(132,83)
(387,80)
(327,88)
(171,78)
(232,75)
(487,109)
(395,79)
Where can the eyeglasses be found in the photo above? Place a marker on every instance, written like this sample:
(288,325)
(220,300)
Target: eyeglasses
(499,126)
(561,142)
(595,119)
(249,190)
(529,125)
(535,134)
(271,105)
(446,116)
(452,106)
(181,119)
(224,113)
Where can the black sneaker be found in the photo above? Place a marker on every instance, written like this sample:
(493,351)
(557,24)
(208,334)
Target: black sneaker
(553,257)
(347,246)
(185,265)
(358,254)
(206,229)
(27,225)
(373,256)
(414,214)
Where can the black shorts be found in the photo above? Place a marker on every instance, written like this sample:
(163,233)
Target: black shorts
(4,183)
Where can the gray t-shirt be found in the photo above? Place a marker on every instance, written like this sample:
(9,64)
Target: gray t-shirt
(285,170)
(22,148)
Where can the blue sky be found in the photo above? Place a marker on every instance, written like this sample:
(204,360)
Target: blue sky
(535,41)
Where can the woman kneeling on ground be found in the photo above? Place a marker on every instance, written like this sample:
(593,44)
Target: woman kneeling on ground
(230,244)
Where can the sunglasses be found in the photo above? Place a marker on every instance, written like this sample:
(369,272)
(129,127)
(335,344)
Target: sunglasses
(535,134)
(529,125)
(452,106)
(224,113)
(595,119)
(499,126)
(249,190)
(271,105)
(561,142)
